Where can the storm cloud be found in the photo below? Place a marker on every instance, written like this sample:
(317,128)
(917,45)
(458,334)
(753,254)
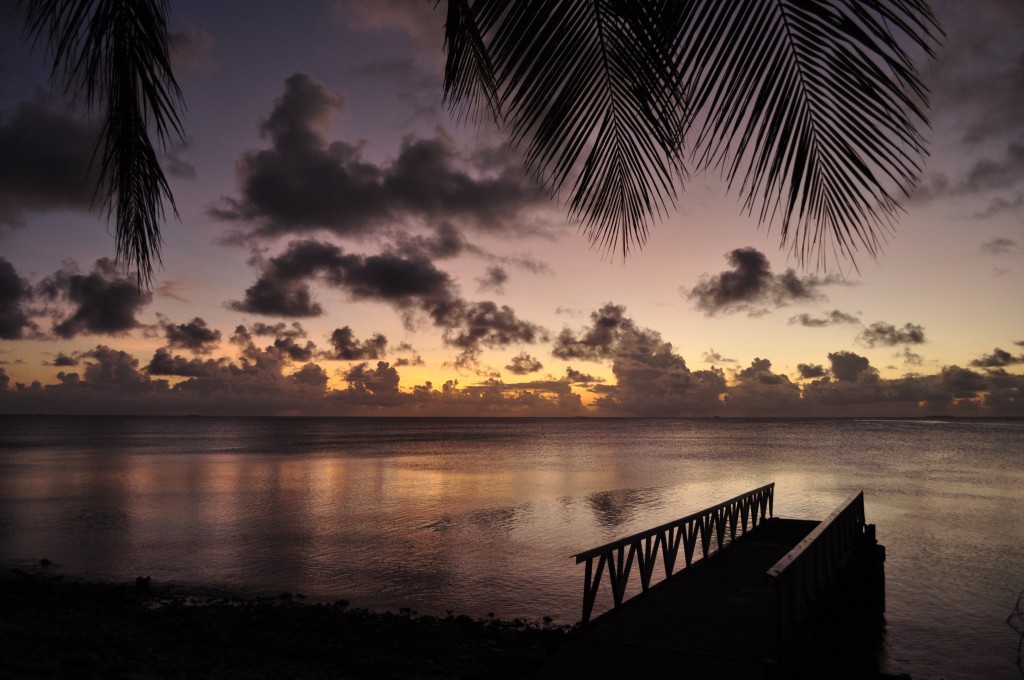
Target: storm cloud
(751,286)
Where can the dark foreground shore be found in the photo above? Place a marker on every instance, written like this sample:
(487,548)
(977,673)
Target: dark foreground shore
(52,627)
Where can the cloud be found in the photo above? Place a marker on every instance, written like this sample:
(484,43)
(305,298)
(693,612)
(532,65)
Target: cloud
(15,293)
(283,289)
(103,302)
(713,357)
(997,359)
(412,285)
(601,341)
(887,335)
(381,380)
(493,280)
(848,367)
(1000,205)
(65,360)
(44,162)
(752,287)
(194,336)
(580,378)
(999,246)
(163,363)
(909,358)
(832,318)
(808,371)
(304,183)
(523,363)
(986,174)
(345,347)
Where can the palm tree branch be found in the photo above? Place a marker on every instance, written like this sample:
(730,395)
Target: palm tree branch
(811,107)
(114,54)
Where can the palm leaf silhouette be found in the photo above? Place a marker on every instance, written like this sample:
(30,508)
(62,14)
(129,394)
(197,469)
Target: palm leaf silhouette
(113,54)
(809,106)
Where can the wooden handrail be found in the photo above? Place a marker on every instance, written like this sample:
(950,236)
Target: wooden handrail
(803,574)
(711,523)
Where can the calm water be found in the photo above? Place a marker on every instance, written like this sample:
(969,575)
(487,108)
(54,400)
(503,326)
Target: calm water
(481,516)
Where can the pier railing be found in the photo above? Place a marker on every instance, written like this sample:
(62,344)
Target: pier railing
(710,526)
(806,572)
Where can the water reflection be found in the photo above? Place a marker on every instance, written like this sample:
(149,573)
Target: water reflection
(484,515)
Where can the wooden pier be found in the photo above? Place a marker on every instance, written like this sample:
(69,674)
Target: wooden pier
(729,592)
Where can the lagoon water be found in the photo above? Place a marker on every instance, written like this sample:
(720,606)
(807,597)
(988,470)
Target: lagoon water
(482,515)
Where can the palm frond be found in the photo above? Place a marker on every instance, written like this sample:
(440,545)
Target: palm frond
(589,88)
(812,106)
(113,54)
(469,84)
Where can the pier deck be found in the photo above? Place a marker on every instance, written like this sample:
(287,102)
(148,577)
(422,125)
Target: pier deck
(717,617)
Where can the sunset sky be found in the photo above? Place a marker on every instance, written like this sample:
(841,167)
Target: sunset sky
(346,247)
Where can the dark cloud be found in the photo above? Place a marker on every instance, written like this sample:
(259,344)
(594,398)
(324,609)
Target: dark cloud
(412,285)
(909,357)
(283,289)
(848,367)
(44,162)
(194,336)
(601,340)
(887,335)
(163,363)
(103,302)
(999,246)
(494,279)
(997,359)
(346,347)
(828,319)
(15,293)
(523,363)
(469,325)
(808,371)
(304,183)
(381,380)
(752,287)
(760,370)
(579,377)
(65,360)
(294,330)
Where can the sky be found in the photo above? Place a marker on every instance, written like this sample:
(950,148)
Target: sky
(345,246)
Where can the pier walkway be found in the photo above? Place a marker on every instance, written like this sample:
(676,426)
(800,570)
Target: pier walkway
(740,590)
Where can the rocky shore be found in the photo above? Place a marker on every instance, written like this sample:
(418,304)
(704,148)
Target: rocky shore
(54,627)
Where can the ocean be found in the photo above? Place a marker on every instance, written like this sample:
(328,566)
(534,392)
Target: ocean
(481,516)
